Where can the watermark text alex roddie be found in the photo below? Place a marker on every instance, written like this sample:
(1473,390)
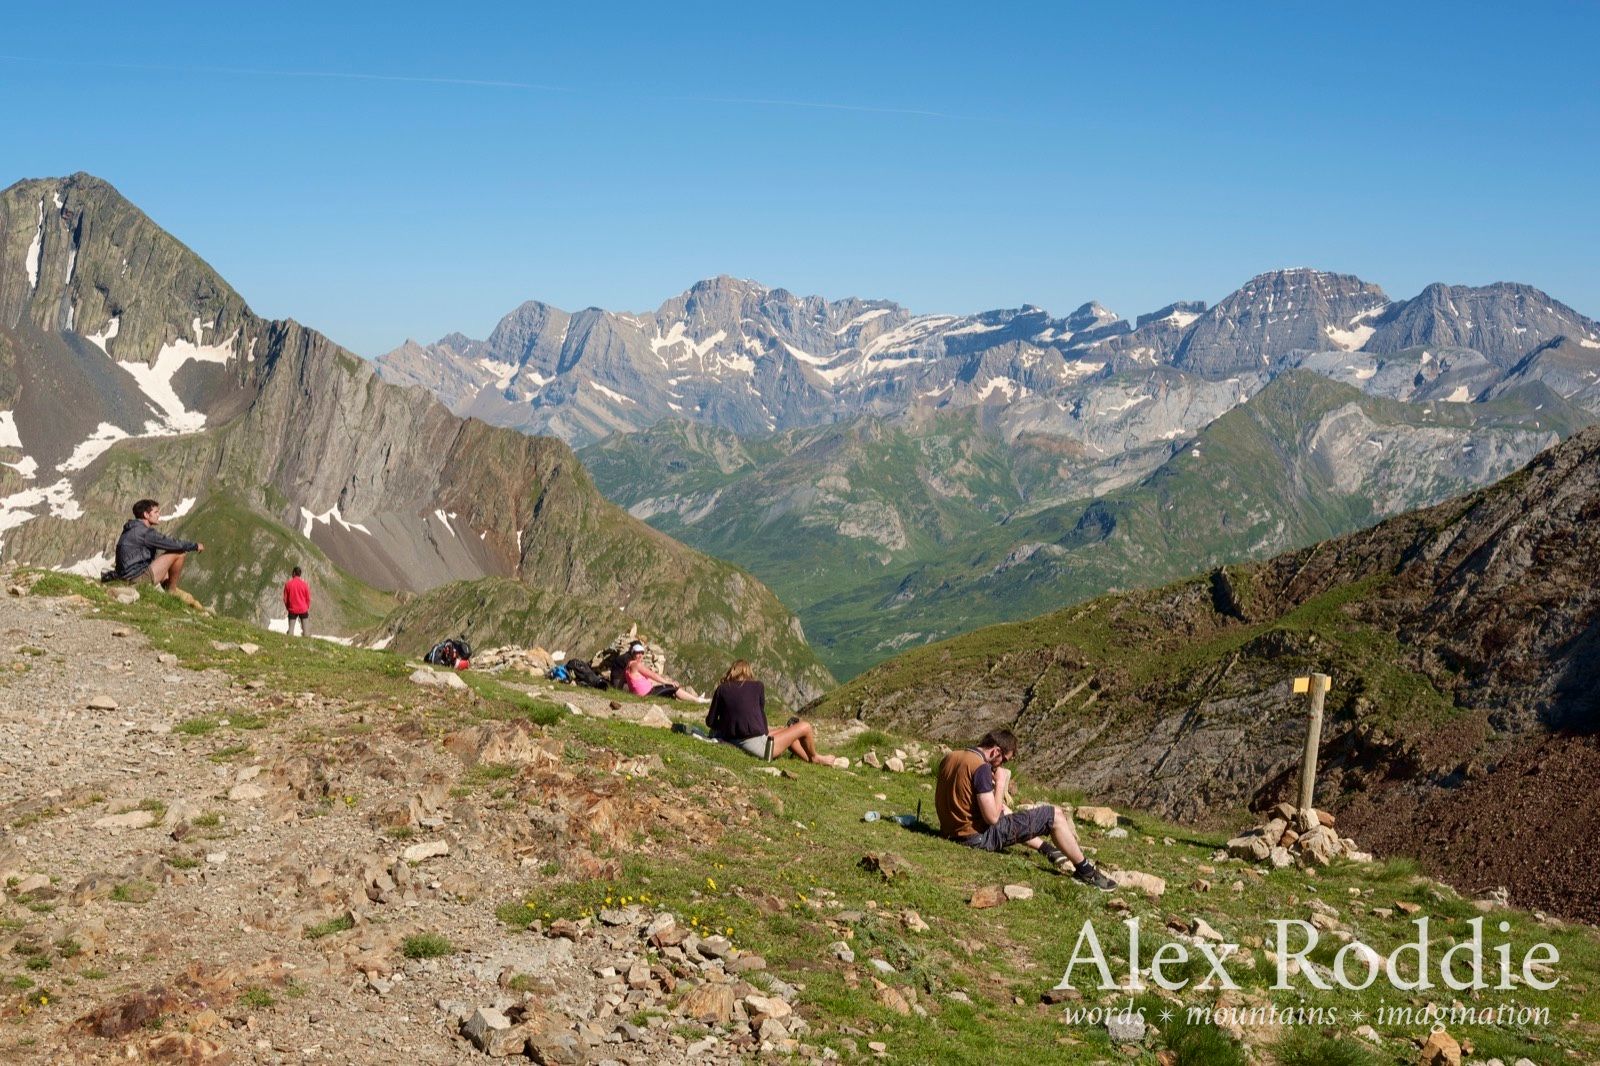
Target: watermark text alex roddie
(1411,967)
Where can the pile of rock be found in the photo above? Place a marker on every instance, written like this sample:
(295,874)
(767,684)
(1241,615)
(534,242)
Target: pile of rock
(900,761)
(1295,837)
(534,660)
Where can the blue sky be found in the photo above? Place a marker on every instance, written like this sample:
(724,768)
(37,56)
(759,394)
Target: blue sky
(381,171)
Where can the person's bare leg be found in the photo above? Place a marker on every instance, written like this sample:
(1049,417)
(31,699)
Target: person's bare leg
(176,572)
(801,740)
(166,568)
(1061,832)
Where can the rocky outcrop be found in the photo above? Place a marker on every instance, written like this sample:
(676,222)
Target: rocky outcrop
(1460,639)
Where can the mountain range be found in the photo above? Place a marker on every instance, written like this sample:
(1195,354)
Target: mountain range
(899,478)
(129,368)
(751,359)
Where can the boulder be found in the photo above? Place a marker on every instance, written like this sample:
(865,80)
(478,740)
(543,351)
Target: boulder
(1250,847)
(655,718)
(437,679)
(1440,1049)
(1104,817)
(708,1003)
(431,849)
(1018,892)
(1125,1028)
(987,896)
(1149,884)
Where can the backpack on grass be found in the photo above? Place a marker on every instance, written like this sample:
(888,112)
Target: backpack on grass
(452,652)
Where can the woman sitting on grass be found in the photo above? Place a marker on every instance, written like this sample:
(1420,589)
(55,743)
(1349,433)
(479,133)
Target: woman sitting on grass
(738,716)
(643,681)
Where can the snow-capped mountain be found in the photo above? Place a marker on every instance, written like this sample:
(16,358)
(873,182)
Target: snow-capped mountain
(741,356)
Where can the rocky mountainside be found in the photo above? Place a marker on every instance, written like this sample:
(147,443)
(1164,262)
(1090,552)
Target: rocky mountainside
(129,368)
(888,533)
(740,356)
(1461,641)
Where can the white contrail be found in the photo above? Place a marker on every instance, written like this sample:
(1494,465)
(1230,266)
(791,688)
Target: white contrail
(815,104)
(478,83)
(348,75)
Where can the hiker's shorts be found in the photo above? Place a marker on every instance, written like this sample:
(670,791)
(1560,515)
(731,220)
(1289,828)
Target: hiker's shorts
(759,746)
(1013,829)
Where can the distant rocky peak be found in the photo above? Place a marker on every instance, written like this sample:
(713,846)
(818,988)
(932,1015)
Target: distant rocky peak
(1090,316)
(1505,321)
(1176,315)
(1278,312)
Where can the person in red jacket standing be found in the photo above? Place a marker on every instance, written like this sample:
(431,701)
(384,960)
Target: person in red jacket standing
(297,601)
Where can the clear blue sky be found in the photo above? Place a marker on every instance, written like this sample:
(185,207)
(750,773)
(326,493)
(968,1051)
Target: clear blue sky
(388,170)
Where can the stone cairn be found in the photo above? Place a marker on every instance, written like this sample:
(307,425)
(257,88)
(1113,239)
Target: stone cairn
(1295,837)
(534,660)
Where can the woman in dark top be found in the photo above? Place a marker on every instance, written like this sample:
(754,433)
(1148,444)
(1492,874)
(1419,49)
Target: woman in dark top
(738,715)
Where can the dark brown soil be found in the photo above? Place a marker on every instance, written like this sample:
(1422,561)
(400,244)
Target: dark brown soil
(1529,823)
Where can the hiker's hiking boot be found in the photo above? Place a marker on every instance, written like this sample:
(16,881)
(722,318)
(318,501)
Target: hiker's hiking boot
(1088,873)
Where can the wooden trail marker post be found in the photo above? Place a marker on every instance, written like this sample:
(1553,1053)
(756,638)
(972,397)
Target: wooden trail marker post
(1315,687)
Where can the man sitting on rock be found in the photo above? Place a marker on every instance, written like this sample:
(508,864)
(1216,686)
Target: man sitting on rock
(144,553)
(970,799)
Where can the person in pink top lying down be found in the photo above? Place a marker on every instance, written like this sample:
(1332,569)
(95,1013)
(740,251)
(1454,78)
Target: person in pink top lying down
(643,681)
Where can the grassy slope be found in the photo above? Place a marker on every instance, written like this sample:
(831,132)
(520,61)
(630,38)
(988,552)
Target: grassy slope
(247,558)
(1244,489)
(785,883)
(786,497)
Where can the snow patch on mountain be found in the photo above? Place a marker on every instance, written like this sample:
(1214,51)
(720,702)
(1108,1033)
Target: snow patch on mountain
(91,567)
(32,261)
(103,338)
(677,335)
(904,336)
(501,372)
(860,320)
(1359,329)
(1001,384)
(9,437)
(328,518)
(616,397)
(104,436)
(803,356)
(27,466)
(155,380)
(1117,409)
(20,507)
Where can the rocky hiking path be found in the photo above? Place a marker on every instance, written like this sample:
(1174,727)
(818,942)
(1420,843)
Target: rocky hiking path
(213,851)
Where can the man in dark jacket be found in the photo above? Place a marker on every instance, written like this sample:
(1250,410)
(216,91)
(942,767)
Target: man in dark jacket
(143,551)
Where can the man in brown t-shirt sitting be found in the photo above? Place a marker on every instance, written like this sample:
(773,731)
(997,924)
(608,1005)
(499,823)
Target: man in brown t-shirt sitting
(970,798)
